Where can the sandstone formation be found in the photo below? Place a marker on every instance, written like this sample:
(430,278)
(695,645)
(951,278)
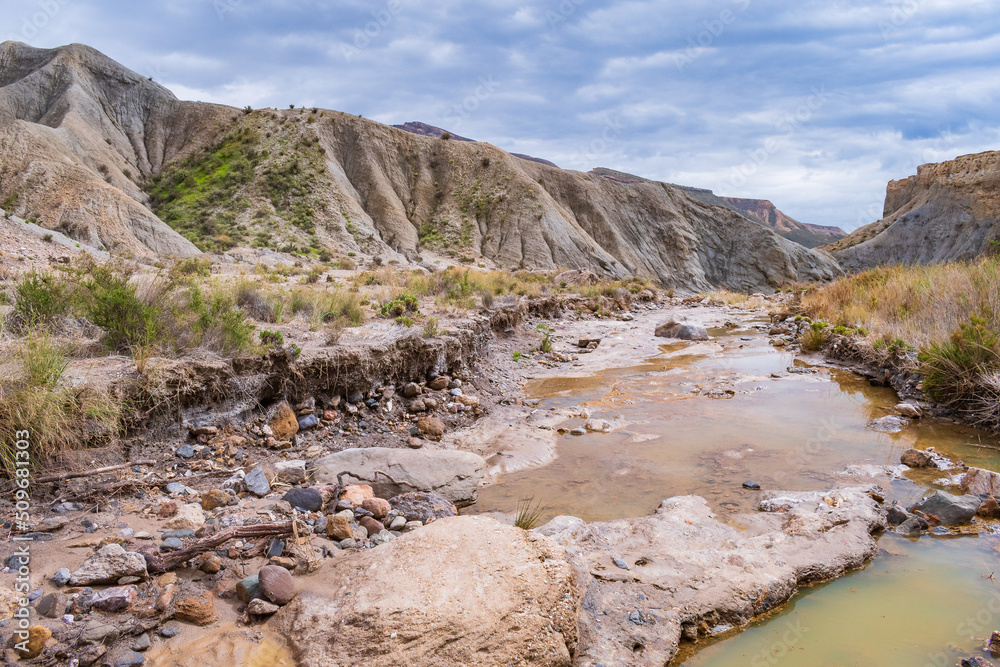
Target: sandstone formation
(475,593)
(451,474)
(88,144)
(947,211)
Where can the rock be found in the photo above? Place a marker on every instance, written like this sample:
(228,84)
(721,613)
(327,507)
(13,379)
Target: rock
(888,424)
(978,481)
(696,562)
(678,327)
(276,548)
(97,631)
(114,599)
(908,410)
(167,633)
(530,617)
(439,383)
(379,507)
(563,528)
(585,343)
(256,482)
(276,584)
(989,509)
(578,431)
(414,443)
(373,526)
(338,528)
(398,523)
(948,509)
(356,494)
(753,486)
(917,458)
(141,642)
(994,644)
(975,662)
(290,472)
(51,605)
(216,498)
(37,636)
(211,565)
(307,422)
(130,659)
(619,563)
(108,565)
(598,426)
(179,533)
(455,475)
(895,515)
(283,422)
(411,390)
(431,427)
(248,588)
(306,499)
(188,517)
(423,507)
(259,607)
(197,609)
(347,544)
(382,537)
(284,561)
(61,577)
(185,451)
(177,487)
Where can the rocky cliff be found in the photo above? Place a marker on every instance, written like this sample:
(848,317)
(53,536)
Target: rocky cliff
(947,211)
(95,150)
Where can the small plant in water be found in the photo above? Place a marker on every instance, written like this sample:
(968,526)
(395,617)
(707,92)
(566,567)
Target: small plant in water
(528,514)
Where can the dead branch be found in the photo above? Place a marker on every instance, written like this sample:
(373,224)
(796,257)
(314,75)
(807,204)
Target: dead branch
(96,471)
(157,564)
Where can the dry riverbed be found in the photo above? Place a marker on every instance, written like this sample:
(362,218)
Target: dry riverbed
(347,547)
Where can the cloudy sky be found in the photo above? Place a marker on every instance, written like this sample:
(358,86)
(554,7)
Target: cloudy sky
(813,104)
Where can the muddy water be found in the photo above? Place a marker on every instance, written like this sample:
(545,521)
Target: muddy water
(921,602)
(798,431)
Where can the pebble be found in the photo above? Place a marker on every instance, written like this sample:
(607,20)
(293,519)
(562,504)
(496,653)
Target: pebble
(347,544)
(61,576)
(578,431)
(185,451)
(455,392)
(753,486)
(620,563)
(171,544)
(177,487)
(276,548)
(398,523)
(130,659)
(276,584)
(248,588)
(261,607)
(182,533)
(169,632)
(256,482)
(141,642)
(307,422)
(307,499)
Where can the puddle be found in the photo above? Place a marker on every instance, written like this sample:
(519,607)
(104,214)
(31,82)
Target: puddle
(920,602)
(226,645)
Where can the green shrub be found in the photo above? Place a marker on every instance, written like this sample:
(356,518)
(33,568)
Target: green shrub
(405,321)
(271,338)
(431,327)
(527,515)
(404,303)
(112,304)
(953,368)
(41,296)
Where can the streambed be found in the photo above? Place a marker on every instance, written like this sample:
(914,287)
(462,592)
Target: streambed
(786,425)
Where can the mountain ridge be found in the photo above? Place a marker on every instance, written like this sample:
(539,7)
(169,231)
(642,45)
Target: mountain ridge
(102,153)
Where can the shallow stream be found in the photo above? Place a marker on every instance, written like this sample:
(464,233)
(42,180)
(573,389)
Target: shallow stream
(787,425)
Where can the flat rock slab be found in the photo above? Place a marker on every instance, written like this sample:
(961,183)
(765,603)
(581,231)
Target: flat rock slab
(452,474)
(689,572)
(461,591)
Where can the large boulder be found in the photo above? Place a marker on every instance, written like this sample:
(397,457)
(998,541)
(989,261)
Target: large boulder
(950,510)
(679,327)
(452,474)
(682,572)
(475,593)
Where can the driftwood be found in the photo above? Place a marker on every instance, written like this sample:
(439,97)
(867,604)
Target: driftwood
(156,563)
(96,471)
(115,487)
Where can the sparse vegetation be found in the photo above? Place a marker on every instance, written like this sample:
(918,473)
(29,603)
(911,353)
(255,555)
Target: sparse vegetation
(527,514)
(949,312)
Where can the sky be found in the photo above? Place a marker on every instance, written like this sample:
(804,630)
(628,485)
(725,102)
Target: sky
(814,105)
